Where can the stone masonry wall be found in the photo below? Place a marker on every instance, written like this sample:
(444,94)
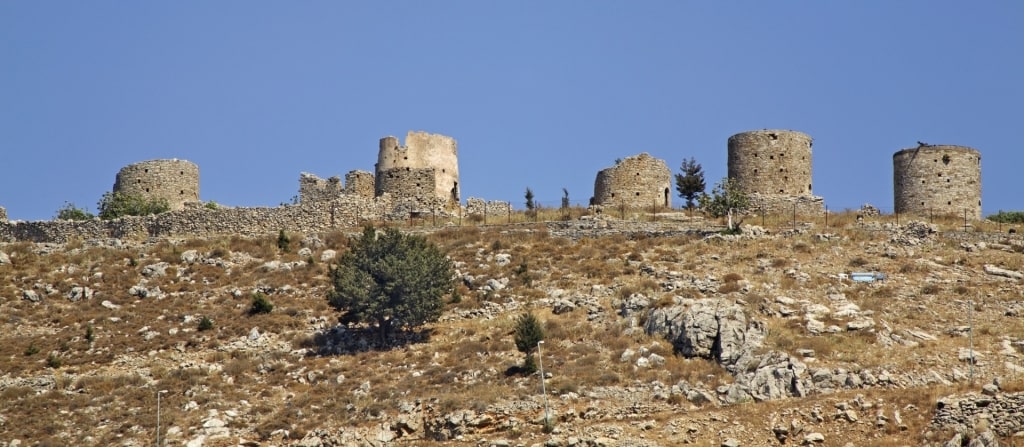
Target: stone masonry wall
(315,189)
(415,184)
(3,214)
(776,162)
(1001,411)
(359,183)
(490,209)
(939,180)
(639,181)
(175,180)
(197,221)
(422,150)
(806,205)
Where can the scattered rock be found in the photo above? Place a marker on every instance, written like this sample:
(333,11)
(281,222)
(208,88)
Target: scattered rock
(155,270)
(813,438)
(190,257)
(31,295)
(80,293)
(993,270)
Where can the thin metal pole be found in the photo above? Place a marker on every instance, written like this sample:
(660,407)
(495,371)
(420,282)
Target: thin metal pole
(543,390)
(970,325)
(158,394)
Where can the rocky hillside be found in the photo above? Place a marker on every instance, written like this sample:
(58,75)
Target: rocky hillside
(662,333)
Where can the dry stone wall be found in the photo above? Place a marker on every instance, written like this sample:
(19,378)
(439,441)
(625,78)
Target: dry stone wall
(1002,412)
(359,183)
(415,184)
(639,181)
(786,205)
(938,180)
(198,221)
(422,151)
(487,209)
(315,189)
(176,181)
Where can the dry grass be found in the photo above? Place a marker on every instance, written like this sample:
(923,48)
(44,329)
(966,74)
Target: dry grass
(463,364)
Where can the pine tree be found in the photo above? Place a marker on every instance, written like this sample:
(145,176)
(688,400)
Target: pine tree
(528,333)
(392,280)
(690,181)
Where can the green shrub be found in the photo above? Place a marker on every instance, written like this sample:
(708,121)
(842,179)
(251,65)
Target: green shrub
(71,212)
(32,349)
(1007,217)
(90,336)
(115,204)
(206,323)
(53,361)
(211,205)
(283,241)
(726,196)
(260,304)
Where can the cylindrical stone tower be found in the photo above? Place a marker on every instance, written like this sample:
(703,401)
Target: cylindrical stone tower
(771,162)
(640,181)
(421,151)
(938,180)
(175,180)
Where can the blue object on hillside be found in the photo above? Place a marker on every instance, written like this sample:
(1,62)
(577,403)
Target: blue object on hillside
(867,276)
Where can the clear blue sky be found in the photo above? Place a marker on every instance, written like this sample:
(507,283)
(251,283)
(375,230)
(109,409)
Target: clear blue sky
(539,94)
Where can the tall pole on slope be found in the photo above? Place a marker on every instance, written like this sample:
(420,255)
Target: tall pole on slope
(543,389)
(970,333)
(158,394)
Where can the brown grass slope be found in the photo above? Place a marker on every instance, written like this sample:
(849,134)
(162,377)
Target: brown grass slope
(86,372)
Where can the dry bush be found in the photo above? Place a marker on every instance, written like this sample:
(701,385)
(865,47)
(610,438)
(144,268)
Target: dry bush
(695,371)
(858,262)
(930,289)
(732,277)
(729,287)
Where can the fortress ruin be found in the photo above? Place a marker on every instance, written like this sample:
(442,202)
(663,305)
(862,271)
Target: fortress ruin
(640,181)
(425,169)
(937,179)
(774,168)
(420,179)
(176,181)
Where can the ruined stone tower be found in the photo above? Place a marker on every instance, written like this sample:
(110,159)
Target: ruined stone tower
(771,162)
(640,181)
(175,180)
(774,168)
(938,180)
(425,169)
